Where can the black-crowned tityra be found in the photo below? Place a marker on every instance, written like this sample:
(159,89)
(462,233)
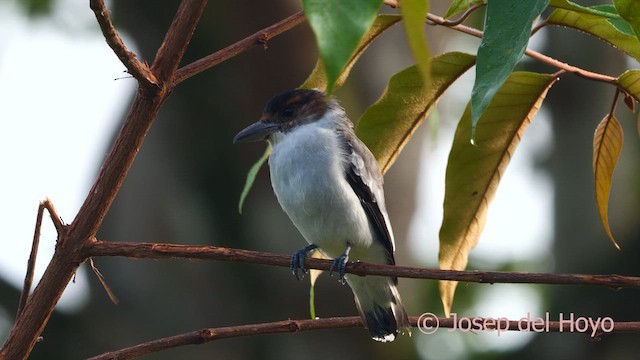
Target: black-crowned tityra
(329,184)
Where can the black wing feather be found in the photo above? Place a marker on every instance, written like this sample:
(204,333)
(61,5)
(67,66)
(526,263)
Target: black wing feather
(367,197)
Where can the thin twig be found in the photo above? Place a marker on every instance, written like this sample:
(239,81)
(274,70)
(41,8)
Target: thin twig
(426,325)
(531,53)
(612,111)
(259,38)
(103,282)
(462,17)
(31,264)
(136,68)
(171,251)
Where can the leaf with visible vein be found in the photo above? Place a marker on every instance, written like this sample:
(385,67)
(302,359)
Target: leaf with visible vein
(318,78)
(338,26)
(474,172)
(593,10)
(607,143)
(388,124)
(630,11)
(506,35)
(599,27)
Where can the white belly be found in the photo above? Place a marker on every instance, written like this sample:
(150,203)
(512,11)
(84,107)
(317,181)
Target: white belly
(308,178)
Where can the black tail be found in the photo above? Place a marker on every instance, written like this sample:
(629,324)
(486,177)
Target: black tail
(380,307)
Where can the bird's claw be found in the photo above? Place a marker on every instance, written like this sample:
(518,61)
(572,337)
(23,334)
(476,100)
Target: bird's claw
(340,264)
(297,261)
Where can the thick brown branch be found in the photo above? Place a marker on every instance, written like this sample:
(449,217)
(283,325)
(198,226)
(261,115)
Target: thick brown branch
(176,40)
(139,70)
(66,259)
(426,325)
(170,251)
(259,38)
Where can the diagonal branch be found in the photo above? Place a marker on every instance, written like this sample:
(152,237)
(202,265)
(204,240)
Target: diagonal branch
(39,306)
(139,70)
(176,40)
(427,324)
(259,38)
(171,251)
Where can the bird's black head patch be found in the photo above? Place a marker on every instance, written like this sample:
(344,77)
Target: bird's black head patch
(295,107)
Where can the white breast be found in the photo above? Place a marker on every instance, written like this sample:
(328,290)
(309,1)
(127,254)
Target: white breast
(307,173)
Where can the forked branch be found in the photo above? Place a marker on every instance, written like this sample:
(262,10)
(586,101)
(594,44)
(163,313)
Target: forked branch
(139,70)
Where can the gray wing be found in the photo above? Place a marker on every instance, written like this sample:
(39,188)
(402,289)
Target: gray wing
(366,182)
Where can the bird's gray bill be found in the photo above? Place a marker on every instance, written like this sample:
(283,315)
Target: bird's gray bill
(255,132)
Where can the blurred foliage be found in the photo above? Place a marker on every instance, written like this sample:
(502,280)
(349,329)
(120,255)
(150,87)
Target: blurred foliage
(37,8)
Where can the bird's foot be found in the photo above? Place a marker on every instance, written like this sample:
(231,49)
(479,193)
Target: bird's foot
(297,261)
(340,264)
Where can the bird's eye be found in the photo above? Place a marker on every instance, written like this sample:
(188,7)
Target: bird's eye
(288,111)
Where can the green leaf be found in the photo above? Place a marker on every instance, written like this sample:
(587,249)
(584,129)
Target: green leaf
(607,143)
(616,20)
(388,124)
(338,26)
(414,14)
(506,35)
(630,11)
(251,177)
(608,12)
(474,172)
(598,27)
(458,6)
(318,77)
(597,10)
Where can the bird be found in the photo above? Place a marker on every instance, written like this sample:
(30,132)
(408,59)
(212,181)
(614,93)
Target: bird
(329,184)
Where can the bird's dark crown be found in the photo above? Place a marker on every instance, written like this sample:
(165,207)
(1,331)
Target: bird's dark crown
(294,107)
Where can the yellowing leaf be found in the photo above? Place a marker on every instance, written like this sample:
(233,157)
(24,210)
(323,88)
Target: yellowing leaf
(607,142)
(474,172)
(630,82)
(388,124)
(318,77)
(313,276)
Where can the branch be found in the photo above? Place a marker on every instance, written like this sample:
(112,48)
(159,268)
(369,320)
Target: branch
(31,263)
(139,70)
(177,39)
(171,251)
(144,109)
(259,38)
(437,20)
(428,324)
(211,334)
